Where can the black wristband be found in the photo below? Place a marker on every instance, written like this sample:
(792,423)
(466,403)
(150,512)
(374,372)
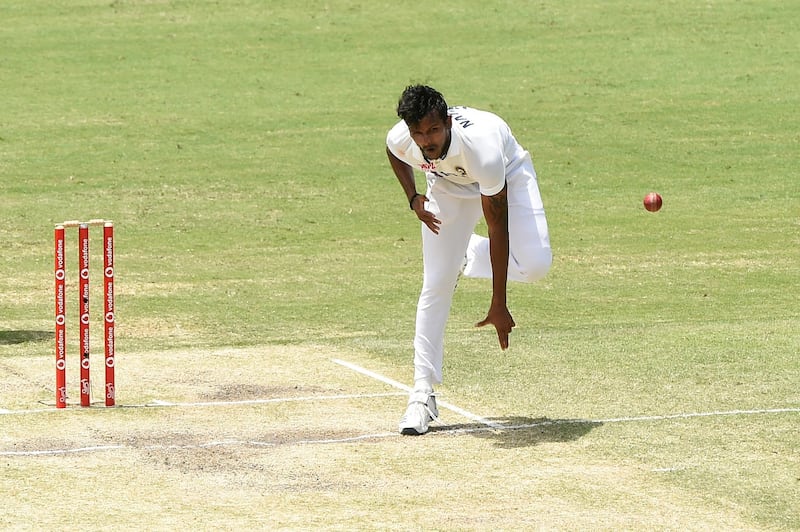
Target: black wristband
(411,201)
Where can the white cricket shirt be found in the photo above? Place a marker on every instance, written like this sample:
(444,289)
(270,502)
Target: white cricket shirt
(482,150)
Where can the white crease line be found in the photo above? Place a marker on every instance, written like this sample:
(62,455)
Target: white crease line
(699,414)
(438,430)
(632,419)
(157,403)
(62,451)
(372,374)
(4,412)
(498,426)
(207,445)
(440,403)
(349,439)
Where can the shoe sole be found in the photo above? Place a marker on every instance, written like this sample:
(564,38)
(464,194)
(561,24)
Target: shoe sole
(408,431)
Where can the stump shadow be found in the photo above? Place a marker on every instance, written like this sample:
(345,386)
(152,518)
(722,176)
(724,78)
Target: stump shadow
(22,337)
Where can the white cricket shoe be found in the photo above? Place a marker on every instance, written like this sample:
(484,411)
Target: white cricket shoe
(421,410)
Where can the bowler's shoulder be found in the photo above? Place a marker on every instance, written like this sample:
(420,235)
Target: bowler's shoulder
(475,121)
(399,141)
(399,134)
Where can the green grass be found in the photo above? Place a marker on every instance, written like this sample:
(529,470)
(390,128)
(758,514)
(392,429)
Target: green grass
(239,148)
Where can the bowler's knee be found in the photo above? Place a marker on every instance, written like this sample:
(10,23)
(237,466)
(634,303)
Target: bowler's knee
(534,264)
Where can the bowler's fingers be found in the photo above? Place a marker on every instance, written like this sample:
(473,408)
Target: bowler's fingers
(502,335)
(430,220)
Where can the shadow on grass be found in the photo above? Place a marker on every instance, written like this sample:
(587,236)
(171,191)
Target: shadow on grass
(521,431)
(21,337)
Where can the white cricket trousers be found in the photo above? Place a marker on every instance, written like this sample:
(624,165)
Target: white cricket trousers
(458,207)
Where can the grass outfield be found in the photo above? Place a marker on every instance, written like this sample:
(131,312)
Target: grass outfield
(652,381)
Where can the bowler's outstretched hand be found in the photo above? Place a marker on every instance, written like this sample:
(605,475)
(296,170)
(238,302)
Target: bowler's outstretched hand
(500,317)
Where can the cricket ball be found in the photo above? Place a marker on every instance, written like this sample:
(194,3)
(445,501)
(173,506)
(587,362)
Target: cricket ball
(652,201)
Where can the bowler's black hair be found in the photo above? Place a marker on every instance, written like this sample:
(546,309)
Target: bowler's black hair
(418,101)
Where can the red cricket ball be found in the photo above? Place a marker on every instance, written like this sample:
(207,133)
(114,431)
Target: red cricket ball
(652,202)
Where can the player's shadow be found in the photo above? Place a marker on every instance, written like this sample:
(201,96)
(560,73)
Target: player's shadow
(521,431)
(22,337)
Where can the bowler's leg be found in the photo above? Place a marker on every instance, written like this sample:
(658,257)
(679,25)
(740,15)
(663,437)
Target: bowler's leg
(530,255)
(458,208)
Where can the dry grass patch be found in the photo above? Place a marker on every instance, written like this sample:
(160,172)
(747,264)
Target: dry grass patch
(263,437)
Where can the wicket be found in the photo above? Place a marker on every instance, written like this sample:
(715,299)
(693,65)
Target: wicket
(83,292)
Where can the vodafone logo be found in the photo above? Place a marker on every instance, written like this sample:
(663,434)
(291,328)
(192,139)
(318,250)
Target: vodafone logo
(109,251)
(61,349)
(109,296)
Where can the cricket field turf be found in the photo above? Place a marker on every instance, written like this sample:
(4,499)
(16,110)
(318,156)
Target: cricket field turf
(268,267)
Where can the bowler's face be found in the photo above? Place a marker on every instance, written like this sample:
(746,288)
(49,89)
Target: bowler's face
(432,135)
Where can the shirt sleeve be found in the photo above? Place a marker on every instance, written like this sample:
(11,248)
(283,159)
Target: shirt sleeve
(487,164)
(399,142)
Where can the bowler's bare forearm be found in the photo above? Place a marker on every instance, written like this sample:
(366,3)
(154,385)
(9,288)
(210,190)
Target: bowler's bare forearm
(404,173)
(495,211)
